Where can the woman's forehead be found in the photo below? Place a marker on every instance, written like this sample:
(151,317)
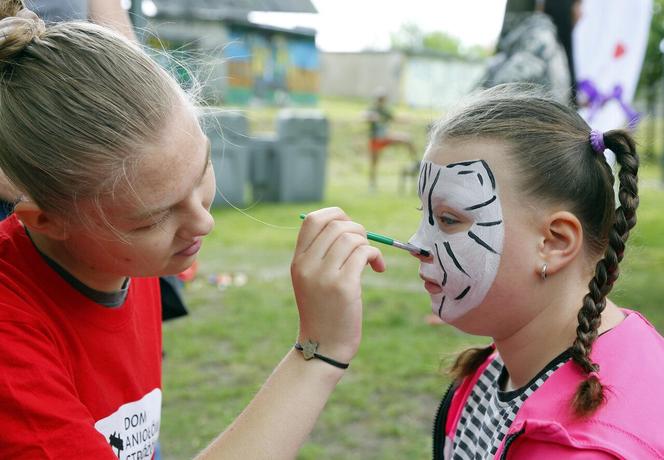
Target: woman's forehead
(168,170)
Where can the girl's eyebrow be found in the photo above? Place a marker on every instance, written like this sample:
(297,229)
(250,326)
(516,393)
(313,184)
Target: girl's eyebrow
(153,212)
(481,205)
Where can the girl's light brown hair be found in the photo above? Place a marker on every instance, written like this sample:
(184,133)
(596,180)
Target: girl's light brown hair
(556,164)
(78,105)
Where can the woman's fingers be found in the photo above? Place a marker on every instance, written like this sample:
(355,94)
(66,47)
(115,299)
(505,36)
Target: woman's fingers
(326,272)
(358,260)
(313,225)
(336,242)
(328,238)
(332,231)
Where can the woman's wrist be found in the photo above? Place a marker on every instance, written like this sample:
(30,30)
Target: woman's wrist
(339,350)
(309,350)
(315,368)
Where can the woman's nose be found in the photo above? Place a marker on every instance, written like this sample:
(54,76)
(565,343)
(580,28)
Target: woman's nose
(198,223)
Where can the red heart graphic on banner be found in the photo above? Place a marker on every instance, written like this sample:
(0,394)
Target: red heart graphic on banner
(619,51)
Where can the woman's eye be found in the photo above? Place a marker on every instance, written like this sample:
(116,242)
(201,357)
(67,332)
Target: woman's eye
(158,222)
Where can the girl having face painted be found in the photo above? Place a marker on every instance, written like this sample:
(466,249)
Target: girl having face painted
(115,184)
(519,214)
(464,227)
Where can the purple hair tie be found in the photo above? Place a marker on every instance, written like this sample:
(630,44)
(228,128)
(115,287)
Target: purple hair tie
(597,141)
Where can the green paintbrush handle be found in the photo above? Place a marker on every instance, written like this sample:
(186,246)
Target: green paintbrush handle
(379,238)
(370,235)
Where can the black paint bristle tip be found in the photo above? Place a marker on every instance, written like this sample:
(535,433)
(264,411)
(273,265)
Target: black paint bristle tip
(424,253)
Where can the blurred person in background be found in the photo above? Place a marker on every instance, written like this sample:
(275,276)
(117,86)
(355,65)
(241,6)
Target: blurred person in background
(104,12)
(379,117)
(535,46)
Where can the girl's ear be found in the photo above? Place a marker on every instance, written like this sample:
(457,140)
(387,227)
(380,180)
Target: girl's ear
(38,221)
(562,240)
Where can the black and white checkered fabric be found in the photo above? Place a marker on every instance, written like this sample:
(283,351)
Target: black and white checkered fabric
(489,412)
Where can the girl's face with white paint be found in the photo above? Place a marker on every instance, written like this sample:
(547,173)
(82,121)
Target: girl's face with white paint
(474,229)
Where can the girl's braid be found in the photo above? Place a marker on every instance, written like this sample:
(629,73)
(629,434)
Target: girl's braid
(590,393)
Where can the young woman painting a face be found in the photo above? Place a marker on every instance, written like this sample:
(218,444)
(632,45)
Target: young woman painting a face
(115,185)
(518,212)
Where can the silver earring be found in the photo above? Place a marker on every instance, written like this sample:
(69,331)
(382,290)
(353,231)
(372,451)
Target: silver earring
(543,272)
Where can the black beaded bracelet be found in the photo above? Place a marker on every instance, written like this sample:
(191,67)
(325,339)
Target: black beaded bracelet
(309,351)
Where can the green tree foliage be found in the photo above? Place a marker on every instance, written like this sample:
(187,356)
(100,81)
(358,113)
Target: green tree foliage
(440,41)
(653,64)
(411,38)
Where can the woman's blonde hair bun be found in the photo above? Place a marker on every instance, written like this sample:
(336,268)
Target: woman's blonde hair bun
(18,28)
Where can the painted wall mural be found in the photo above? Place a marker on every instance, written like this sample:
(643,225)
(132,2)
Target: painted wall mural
(271,67)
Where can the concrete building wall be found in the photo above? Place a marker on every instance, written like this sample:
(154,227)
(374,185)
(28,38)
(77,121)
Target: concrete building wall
(361,74)
(419,81)
(438,83)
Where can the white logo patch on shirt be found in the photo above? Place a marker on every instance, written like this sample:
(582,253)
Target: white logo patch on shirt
(133,430)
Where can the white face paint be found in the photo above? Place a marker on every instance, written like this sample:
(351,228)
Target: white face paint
(462,227)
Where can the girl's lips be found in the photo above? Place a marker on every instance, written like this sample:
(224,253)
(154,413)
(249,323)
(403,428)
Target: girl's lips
(432,288)
(191,250)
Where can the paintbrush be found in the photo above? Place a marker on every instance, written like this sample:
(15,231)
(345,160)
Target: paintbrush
(392,242)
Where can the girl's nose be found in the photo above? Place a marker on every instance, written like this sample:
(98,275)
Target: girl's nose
(415,240)
(426,259)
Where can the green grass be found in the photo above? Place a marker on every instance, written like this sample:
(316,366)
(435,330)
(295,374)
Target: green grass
(218,356)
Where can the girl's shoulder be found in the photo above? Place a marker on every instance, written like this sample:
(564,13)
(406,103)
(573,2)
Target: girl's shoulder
(629,357)
(631,351)
(630,360)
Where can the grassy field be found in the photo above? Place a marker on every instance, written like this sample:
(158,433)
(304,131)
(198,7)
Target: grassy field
(218,356)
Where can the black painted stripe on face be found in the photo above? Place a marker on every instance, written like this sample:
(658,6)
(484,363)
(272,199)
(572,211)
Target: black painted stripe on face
(427,171)
(481,205)
(465,171)
(421,180)
(441,264)
(479,241)
(454,259)
(433,185)
(463,294)
(490,174)
(462,163)
(440,308)
(430,166)
(479,178)
(489,224)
